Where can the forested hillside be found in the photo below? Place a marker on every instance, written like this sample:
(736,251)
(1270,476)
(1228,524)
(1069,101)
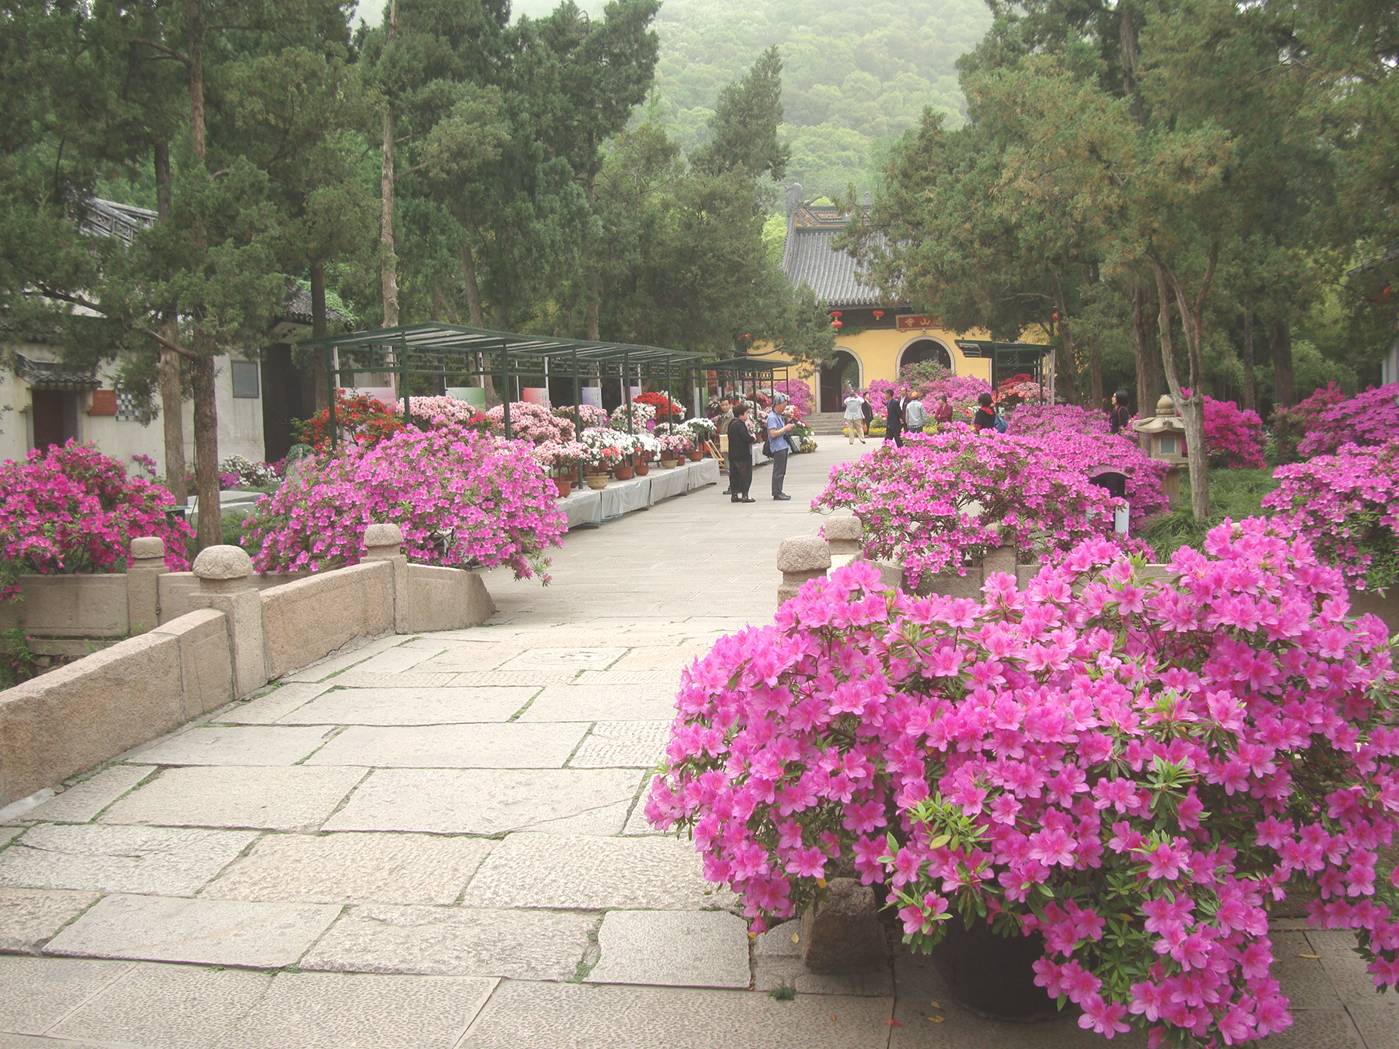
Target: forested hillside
(856,74)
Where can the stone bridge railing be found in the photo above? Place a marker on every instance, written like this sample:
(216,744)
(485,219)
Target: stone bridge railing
(225,633)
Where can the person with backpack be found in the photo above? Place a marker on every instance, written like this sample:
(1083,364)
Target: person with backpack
(985,417)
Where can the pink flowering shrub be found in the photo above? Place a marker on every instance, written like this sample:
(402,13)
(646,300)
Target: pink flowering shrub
(445,411)
(70,508)
(561,456)
(530,422)
(642,417)
(1233,435)
(961,392)
(1290,425)
(1133,768)
(878,394)
(1367,418)
(798,395)
(943,501)
(582,415)
(606,448)
(1347,506)
(1027,419)
(679,443)
(463,499)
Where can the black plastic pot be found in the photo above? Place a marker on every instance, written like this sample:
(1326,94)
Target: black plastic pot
(992,975)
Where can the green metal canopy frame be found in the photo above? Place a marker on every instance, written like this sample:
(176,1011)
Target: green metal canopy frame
(1008,358)
(435,351)
(751,369)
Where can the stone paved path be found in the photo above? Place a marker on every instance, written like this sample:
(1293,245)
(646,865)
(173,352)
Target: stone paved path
(436,842)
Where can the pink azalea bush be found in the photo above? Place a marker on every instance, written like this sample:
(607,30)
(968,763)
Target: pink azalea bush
(1233,435)
(1290,424)
(798,395)
(530,422)
(560,455)
(878,394)
(464,499)
(961,392)
(642,417)
(445,411)
(679,443)
(1027,419)
(605,448)
(943,501)
(1368,418)
(582,415)
(1347,506)
(1134,768)
(69,508)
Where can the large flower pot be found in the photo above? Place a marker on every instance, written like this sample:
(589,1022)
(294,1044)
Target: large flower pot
(623,471)
(564,483)
(696,456)
(597,482)
(642,467)
(669,464)
(992,975)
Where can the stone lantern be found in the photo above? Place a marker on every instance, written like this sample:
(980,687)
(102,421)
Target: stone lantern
(1166,442)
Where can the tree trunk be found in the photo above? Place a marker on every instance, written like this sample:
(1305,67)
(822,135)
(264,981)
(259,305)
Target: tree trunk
(206,412)
(172,394)
(1151,383)
(1095,371)
(473,287)
(1250,380)
(388,257)
(319,329)
(1280,340)
(1190,408)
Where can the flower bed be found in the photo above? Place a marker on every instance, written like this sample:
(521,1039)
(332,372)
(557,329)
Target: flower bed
(463,499)
(1133,768)
(1368,418)
(431,412)
(239,472)
(360,418)
(582,415)
(70,508)
(1347,506)
(942,502)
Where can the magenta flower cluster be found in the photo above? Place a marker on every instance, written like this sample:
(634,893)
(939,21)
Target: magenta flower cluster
(1347,506)
(798,395)
(1233,435)
(70,508)
(431,412)
(944,501)
(1132,767)
(583,416)
(463,499)
(530,422)
(1368,418)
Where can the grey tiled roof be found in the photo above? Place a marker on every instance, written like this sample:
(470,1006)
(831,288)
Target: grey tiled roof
(297,307)
(811,258)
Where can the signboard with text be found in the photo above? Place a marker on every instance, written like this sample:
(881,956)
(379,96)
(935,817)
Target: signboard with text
(916,321)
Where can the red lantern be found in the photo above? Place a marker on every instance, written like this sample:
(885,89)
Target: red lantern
(1054,316)
(836,314)
(837,324)
(748,335)
(879,315)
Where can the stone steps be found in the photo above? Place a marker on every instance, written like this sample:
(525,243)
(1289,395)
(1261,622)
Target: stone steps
(828,423)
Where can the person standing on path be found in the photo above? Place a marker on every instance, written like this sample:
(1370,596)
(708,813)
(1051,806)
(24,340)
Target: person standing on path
(866,410)
(854,416)
(943,412)
(778,428)
(740,456)
(894,419)
(915,418)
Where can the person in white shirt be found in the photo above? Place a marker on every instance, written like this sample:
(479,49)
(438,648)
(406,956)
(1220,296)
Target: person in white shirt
(854,416)
(914,416)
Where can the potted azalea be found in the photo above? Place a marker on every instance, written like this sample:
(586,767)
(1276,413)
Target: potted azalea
(626,469)
(605,449)
(1115,775)
(648,449)
(675,447)
(561,459)
(702,431)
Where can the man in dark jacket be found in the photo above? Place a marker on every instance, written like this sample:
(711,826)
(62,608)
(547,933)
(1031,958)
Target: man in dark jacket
(740,456)
(894,419)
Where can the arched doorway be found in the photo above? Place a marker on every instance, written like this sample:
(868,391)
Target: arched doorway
(926,350)
(842,371)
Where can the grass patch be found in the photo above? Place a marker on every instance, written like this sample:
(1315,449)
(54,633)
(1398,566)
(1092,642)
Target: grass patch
(1234,494)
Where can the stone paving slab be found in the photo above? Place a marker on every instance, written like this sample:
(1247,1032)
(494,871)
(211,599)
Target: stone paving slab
(589,873)
(333,1011)
(1317,1029)
(1298,967)
(28,917)
(637,824)
(36,993)
(231,796)
(25,1041)
(660,657)
(271,707)
(619,702)
(455,941)
(338,662)
(564,658)
(772,973)
(396,660)
(622,744)
(532,679)
(9,834)
(211,932)
(171,860)
(238,745)
(353,868)
(427,706)
(1376,1024)
(583,1016)
(167,1007)
(672,948)
(487,802)
(82,801)
(408,679)
(485,746)
(482,655)
(666,680)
